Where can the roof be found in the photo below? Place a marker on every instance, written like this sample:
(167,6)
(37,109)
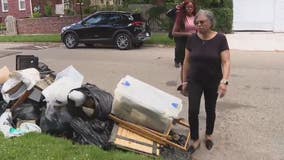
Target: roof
(121,12)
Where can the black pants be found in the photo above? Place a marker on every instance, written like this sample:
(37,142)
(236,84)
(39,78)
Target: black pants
(180,49)
(210,95)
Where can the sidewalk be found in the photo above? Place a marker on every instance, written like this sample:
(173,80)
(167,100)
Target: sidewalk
(252,41)
(256,41)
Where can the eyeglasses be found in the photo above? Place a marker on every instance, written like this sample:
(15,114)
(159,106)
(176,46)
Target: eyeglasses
(200,22)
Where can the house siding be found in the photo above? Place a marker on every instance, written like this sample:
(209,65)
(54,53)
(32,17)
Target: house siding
(13,10)
(267,16)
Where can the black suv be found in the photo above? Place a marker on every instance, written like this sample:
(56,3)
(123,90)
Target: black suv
(122,29)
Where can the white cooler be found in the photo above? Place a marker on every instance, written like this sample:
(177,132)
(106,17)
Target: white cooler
(143,104)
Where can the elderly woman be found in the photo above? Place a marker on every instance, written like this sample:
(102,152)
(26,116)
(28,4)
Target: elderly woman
(206,71)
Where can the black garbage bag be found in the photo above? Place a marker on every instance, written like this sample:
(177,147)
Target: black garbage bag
(26,111)
(172,16)
(99,100)
(44,70)
(94,132)
(56,121)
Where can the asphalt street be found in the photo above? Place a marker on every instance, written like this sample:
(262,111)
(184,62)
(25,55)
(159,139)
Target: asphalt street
(249,123)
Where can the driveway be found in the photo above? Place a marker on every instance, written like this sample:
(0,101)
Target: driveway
(249,124)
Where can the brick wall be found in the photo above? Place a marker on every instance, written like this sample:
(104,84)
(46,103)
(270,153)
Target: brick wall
(44,25)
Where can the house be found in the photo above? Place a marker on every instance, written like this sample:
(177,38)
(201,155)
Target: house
(26,8)
(258,15)
(16,8)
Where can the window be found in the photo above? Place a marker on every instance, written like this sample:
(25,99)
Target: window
(22,5)
(114,19)
(98,19)
(4,5)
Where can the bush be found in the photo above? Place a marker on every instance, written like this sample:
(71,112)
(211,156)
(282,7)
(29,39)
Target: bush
(228,4)
(36,14)
(90,9)
(2,27)
(137,1)
(224,19)
(214,3)
(69,12)
(48,10)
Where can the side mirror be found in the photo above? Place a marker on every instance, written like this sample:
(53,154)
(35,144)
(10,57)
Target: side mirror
(83,23)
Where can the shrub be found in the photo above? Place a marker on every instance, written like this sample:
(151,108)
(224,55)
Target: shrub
(2,27)
(224,19)
(48,10)
(90,9)
(36,14)
(69,12)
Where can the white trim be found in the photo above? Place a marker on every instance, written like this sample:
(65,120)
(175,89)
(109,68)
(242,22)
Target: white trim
(31,8)
(19,4)
(2,4)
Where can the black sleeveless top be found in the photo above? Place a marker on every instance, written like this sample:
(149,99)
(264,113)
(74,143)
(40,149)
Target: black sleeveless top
(205,58)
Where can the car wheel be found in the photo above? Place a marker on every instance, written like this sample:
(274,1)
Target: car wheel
(123,41)
(70,40)
(138,45)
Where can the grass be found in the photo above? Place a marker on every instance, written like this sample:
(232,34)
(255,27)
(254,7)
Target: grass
(35,146)
(160,38)
(31,38)
(156,38)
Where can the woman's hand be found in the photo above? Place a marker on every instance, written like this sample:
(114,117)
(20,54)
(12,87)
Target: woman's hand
(222,90)
(181,5)
(184,90)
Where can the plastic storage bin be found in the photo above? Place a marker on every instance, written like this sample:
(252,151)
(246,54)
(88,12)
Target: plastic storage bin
(143,104)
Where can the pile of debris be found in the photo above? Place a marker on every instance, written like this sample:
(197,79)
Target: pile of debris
(139,117)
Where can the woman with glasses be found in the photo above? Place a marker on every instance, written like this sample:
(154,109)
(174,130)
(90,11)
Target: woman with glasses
(206,71)
(183,27)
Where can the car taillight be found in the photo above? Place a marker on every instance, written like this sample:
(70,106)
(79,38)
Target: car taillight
(137,23)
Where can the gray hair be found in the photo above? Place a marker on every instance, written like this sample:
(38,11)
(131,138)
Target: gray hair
(208,14)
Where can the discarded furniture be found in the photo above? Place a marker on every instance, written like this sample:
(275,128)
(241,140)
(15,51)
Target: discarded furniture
(128,140)
(160,138)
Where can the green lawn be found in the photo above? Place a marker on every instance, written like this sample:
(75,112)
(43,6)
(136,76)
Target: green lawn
(157,38)
(43,147)
(31,38)
(160,38)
